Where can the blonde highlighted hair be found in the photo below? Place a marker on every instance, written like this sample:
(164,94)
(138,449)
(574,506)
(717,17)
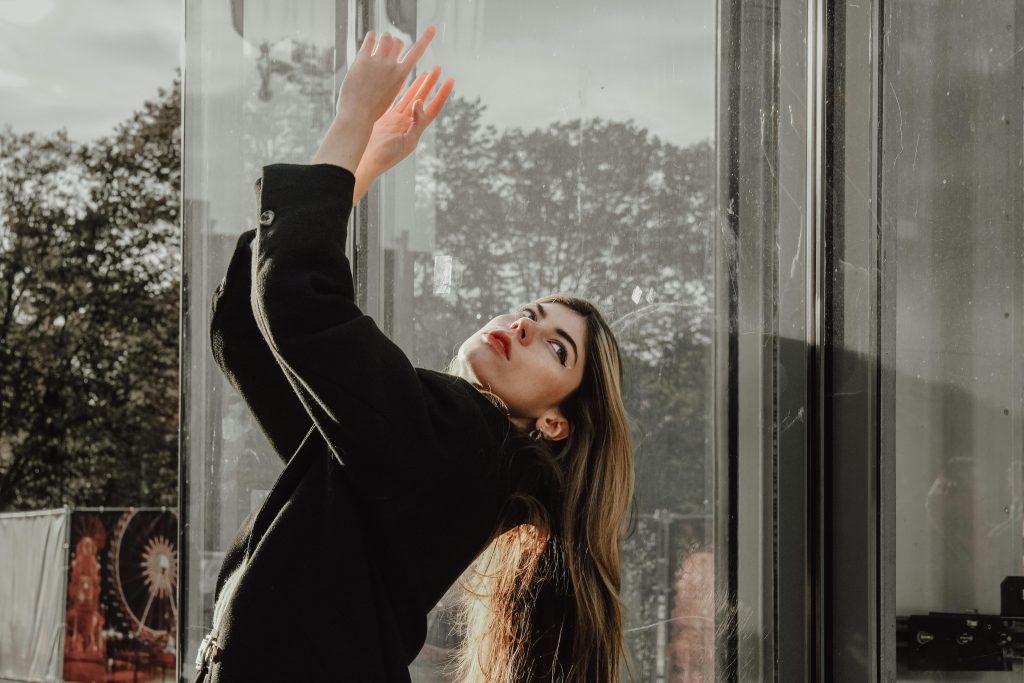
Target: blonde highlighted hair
(542,601)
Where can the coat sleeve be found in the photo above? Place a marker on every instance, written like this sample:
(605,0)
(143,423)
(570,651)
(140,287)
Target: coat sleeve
(360,389)
(246,360)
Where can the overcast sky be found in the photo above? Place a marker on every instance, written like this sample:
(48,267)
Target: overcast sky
(85,65)
(538,61)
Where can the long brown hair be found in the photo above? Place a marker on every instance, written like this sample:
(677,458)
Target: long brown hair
(542,601)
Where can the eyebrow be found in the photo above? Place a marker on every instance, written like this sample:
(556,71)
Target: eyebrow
(563,333)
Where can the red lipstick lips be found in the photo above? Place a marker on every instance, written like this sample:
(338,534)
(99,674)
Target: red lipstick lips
(501,342)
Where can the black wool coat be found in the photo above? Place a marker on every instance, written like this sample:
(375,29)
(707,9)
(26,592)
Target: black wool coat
(395,476)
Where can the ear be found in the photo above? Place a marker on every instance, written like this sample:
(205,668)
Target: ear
(553,424)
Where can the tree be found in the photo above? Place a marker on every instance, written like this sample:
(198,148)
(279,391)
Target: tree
(89,278)
(604,210)
(596,208)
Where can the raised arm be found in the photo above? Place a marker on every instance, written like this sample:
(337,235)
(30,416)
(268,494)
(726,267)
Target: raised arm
(378,413)
(236,341)
(246,360)
(368,136)
(381,416)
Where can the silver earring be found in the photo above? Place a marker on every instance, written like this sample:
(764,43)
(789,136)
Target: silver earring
(536,435)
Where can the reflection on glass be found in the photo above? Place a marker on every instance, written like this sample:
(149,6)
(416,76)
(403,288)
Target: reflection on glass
(953,185)
(260,78)
(563,163)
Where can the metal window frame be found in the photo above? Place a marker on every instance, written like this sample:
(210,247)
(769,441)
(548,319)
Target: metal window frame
(373,265)
(763,372)
(840,626)
(855,522)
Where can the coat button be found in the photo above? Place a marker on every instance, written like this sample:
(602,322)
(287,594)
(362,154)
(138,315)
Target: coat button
(266,218)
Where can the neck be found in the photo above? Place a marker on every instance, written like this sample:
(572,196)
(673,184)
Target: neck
(523,423)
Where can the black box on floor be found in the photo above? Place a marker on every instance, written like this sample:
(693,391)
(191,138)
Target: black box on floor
(1012,597)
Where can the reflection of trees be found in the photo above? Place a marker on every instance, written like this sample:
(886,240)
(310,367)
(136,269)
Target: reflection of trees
(598,208)
(605,210)
(287,103)
(668,589)
(284,124)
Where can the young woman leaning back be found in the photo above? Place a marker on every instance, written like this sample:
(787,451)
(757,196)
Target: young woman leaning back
(510,473)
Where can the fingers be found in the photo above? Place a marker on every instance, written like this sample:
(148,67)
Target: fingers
(419,47)
(423,114)
(436,104)
(427,86)
(403,103)
(389,46)
(420,88)
(380,62)
(385,46)
(369,43)
(418,93)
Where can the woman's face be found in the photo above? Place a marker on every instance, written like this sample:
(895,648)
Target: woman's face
(532,359)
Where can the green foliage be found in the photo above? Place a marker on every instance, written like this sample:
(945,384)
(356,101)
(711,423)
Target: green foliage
(89,280)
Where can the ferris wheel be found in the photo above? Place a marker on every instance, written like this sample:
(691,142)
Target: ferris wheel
(144,573)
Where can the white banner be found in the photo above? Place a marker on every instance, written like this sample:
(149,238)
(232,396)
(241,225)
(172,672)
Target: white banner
(33,558)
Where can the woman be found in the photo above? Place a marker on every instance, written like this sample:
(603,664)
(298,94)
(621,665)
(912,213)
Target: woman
(397,478)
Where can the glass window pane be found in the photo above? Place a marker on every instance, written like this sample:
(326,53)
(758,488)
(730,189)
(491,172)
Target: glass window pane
(952,190)
(260,79)
(764,260)
(566,162)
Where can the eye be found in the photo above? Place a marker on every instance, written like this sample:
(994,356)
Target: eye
(560,351)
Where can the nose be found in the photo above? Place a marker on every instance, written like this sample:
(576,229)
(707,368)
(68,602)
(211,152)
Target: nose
(524,328)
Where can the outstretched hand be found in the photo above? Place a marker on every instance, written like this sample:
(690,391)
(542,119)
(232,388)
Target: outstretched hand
(377,74)
(396,133)
(375,128)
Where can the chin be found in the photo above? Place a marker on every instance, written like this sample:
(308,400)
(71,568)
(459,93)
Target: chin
(474,362)
(483,365)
